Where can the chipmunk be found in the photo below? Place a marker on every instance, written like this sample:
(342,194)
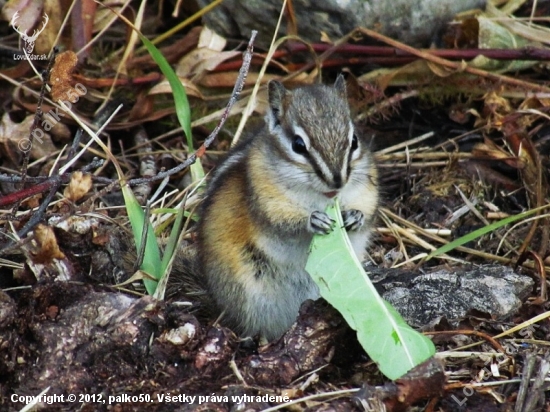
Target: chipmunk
(267,199)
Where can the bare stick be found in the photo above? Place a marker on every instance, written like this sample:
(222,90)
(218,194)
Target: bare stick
(35,123)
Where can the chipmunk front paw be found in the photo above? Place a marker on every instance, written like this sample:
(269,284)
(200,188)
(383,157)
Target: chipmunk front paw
(320,223)
(353,219)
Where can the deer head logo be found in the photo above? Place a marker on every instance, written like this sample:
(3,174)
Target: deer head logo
(29,40)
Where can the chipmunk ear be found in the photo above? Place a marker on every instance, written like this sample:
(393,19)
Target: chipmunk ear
(276,96)
(340,86)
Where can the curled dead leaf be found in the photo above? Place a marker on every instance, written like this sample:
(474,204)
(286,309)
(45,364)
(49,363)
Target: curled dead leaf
(45,245)
(80,184)
(441,71)
(164,87)
(490,151)
(325,38)
(206,57)
(143,108)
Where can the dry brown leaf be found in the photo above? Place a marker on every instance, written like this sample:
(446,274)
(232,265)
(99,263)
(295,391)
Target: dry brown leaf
(79,185)
(534,103)
(441,71)
(61,77)
(14,139)
(30,19)
(164,87)
(490,150)
(143,108)
(496,103)
(30,12)
(104,15)
(211,40)
(60,132)
(412,73)
(325,38)
(206,57)
(494,110)
(522,145)
(46,248)
(533,108)
(201,60)
(56,13)
(33,201)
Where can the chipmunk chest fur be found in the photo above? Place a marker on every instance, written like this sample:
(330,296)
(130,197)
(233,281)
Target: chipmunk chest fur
(267,200)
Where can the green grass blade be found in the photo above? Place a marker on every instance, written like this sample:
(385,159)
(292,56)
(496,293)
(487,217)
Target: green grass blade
(171,246)
(482,231)
(183,110)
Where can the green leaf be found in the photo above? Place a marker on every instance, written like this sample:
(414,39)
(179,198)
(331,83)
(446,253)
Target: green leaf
(482,231)
(381,330)
(151,258)
(183,111)
(493,35)
(172,244)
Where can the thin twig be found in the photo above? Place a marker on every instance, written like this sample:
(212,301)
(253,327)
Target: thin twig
(252,99)
(37,216)
(36,122)
(529,87)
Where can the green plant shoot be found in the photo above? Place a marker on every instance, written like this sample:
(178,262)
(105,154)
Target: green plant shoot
(183,111)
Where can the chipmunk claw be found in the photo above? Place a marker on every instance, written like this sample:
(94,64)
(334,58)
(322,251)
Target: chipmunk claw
(353,219)
(320,223)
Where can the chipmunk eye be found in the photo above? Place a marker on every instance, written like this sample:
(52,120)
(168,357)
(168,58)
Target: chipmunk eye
(298,145)
(354,143)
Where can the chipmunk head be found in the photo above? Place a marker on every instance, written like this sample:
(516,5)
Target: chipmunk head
(312,130)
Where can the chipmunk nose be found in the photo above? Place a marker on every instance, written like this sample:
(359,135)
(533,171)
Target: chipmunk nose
(337,181)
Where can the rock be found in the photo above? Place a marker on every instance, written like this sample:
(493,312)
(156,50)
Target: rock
(411,21)
(492,289)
